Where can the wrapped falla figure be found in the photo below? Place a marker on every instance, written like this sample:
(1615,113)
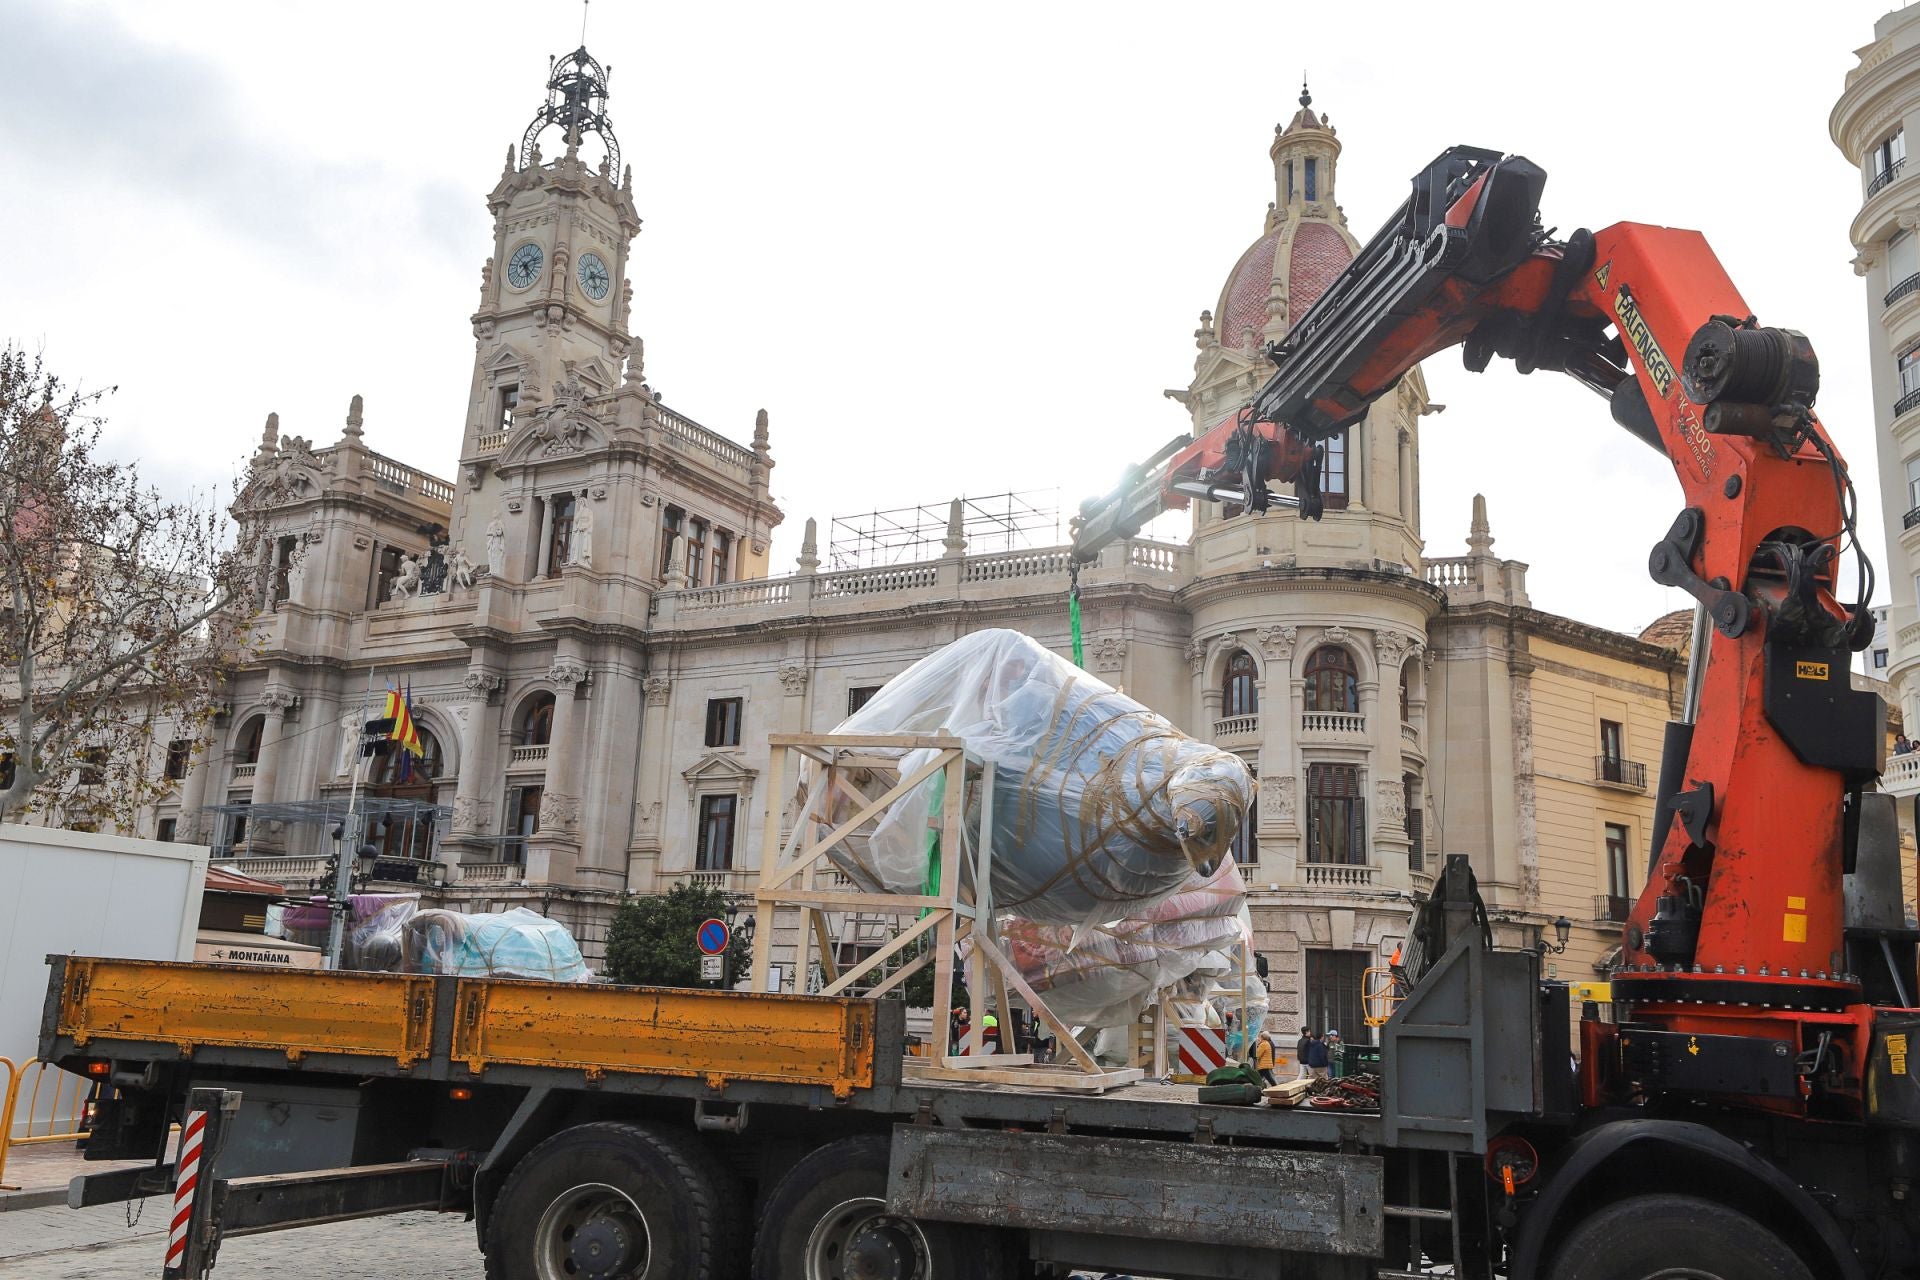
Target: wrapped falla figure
(1102,809)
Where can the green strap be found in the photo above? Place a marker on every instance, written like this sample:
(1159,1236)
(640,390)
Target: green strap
(938,793)
(1073,616)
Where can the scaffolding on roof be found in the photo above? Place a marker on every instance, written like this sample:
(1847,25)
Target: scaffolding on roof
(903,535)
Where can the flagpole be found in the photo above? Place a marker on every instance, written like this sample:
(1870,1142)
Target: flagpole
(341,899)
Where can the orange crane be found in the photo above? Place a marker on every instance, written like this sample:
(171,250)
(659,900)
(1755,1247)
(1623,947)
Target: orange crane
(1737,943)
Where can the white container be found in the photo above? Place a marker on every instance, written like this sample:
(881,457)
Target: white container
(79,893)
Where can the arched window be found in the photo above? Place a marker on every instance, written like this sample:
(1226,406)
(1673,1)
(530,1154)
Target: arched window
(1240,696)
(398,766)
(1332,682)
(536,722)
(1406,694)
(246,748)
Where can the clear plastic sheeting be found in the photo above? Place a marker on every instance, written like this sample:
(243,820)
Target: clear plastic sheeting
(1197,936)
(1102,809)
(507,944)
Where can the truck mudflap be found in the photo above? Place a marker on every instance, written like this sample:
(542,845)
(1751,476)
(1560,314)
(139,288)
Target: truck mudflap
(1235,1197)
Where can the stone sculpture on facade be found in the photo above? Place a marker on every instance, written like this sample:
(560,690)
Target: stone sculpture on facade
(583,537)
(406,583)
(459,570)
(496,546)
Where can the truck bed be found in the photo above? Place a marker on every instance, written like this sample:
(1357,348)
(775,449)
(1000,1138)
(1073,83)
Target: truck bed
(714,1046)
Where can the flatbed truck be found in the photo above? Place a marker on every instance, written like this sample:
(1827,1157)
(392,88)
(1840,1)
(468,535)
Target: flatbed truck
(621,1132)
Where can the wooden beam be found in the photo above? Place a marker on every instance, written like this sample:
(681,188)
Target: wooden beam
(808,855)
(893,949)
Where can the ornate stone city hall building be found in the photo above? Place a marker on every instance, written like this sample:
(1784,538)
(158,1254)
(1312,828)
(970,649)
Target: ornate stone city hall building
(596,647)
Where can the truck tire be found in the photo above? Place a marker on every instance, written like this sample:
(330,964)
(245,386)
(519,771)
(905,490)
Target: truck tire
(613,1201)
(1674,1238)
(828,1220)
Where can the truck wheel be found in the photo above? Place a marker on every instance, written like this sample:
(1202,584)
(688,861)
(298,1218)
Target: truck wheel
(609,1201)
(828,1220)
(1674,1238)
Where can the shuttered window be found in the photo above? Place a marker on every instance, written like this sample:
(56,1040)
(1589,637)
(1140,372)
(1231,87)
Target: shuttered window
(1336,814)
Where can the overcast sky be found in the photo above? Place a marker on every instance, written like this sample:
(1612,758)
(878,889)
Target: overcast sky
(952,249)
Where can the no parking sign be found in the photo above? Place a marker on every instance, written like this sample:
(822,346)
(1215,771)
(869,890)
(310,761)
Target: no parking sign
(713,937)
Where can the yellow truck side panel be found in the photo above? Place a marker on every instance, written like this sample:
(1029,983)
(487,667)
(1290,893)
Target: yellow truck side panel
(376,1014)
(716,1035)
(792,1039)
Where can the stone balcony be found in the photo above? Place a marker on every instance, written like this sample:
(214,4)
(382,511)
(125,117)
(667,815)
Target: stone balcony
(1338,726)
(1902,775)
(1236,729)
(1339,875)
(1041,571)
(1472,579)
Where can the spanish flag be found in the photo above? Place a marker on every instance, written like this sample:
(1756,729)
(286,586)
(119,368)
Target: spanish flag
(405,732)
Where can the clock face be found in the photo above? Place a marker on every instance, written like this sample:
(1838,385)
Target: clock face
(523,268)
(594,276)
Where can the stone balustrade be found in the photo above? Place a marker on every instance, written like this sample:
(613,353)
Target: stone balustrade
(244,772)
(287,871)
(1015,564)
(1333,724)
(1236,727)
(399,478)
(1409,736)
(1478,577)
(529,755)
(1902,775)
(1042,570)
(731,881)
(684,433)
(489,872)
(488,445)
(1339,875)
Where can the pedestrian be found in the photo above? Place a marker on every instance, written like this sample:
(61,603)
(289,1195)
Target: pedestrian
(962,1023)
(1316,1057)
(1263,1057)
(1300,1052)
(1336,1055)
(989,1034)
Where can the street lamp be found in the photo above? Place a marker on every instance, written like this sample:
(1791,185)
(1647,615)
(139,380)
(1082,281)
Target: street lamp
(1562,930)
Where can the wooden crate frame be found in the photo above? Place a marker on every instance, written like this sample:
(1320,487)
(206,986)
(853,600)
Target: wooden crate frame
(959,911)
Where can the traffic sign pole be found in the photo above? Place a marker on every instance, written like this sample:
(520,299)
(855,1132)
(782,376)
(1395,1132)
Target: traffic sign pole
(713,937)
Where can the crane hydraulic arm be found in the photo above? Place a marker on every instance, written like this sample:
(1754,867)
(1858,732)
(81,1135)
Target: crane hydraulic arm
(1741,923)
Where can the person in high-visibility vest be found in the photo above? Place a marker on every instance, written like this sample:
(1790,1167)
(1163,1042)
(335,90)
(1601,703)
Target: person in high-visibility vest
(989,1033)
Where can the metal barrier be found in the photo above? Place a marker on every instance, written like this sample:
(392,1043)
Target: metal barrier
(53,1127)
(1380,994)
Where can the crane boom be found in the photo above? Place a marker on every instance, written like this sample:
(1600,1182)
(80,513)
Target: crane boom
(1742,916)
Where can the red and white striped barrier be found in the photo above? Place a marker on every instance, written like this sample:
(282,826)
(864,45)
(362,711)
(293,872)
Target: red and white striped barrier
(186,1179)
(1202,1049)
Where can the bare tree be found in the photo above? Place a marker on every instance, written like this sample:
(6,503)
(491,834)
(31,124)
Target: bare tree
(111,599)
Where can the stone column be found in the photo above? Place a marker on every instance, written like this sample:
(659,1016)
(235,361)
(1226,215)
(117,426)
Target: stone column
(1388,796)
(279,700)
(650,805)
(553,853)
(477,788)
(193,827)
(1280,694)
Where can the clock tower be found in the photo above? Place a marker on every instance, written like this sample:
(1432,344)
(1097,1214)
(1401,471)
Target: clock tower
(554,297)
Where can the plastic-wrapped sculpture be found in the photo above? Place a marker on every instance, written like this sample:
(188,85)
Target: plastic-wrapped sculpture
(1102,809)
(1107,977)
